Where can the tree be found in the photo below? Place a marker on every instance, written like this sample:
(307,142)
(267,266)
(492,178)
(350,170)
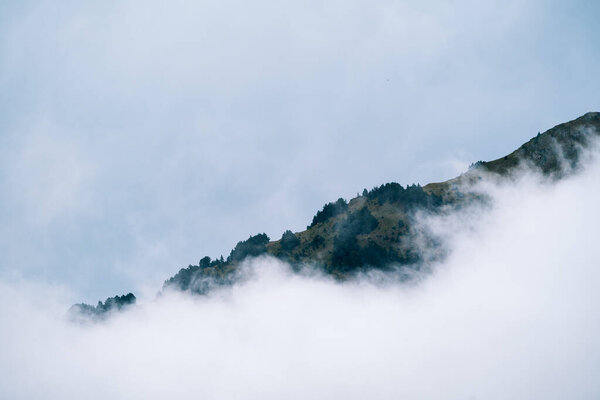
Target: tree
(289,241)
(329,210)
(204,262)
(254,246)
(347,254)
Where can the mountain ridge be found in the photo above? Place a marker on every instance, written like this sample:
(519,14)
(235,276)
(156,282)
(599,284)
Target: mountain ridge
(375,230)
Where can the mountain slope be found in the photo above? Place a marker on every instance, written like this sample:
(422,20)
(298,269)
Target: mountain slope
(376,230)
(554,152)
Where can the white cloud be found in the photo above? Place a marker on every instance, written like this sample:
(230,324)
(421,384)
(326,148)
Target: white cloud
(512,313)
(47,177)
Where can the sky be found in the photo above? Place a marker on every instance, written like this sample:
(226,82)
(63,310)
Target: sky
(138,136)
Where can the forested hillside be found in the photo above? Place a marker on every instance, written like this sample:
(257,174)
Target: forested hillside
(376,230)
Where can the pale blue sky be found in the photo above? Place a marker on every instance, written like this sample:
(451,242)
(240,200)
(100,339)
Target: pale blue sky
(139,136)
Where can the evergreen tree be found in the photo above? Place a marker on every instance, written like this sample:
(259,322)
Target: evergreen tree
(289,241)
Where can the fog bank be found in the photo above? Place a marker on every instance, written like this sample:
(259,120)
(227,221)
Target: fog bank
(513,313)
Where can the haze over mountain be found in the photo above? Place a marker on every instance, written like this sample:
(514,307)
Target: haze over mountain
(377,230)
(283,200)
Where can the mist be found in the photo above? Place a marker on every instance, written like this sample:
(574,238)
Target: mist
(512,313)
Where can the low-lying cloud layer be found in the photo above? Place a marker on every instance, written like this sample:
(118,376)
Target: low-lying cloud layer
(513,313)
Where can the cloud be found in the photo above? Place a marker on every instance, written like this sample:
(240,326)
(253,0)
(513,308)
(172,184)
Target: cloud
(513,312)
(46,178)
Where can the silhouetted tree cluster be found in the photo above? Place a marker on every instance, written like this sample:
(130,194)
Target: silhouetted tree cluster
(358,222)
(254,246)
(184,277)
(110,304)
(476,164)
(329,210)
(289,241)
(204,262)
(347,254)
(411,196)
(116,302)
(209,273)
